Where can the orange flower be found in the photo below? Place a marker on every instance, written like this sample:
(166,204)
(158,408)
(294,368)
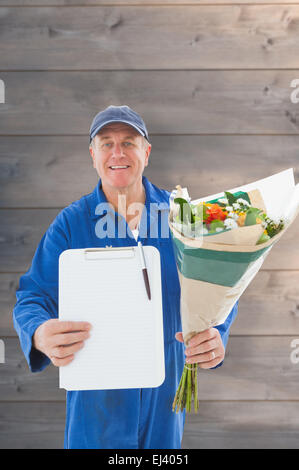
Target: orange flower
(214,212)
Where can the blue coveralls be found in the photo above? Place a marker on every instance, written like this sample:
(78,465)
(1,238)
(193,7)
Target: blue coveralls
(110,419)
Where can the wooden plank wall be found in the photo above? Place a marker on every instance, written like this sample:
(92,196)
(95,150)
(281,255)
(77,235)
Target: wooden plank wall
(212,81)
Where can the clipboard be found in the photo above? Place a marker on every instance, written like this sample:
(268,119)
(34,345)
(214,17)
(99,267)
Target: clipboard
(105,287)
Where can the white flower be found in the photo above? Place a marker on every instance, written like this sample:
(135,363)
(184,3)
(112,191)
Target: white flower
(236,205)
(243,201)
(232,215)
(223,200)
(230,223)
(276,220)
(229,208)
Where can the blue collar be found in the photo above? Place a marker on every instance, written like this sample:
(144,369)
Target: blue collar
(156,202)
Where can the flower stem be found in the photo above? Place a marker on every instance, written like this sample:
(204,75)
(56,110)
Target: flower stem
(187,390)
(180,399)
(196,403)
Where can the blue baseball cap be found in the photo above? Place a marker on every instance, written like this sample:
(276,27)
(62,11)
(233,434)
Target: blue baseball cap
(117,114)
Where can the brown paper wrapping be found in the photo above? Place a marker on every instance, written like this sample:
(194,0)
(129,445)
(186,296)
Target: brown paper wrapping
(204,305)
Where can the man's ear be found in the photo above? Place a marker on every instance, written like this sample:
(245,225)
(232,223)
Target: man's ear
(91,154)
(148,151)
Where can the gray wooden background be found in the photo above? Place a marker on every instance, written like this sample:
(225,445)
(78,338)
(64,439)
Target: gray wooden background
(212,81)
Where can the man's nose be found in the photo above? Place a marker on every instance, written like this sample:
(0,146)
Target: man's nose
(117,149)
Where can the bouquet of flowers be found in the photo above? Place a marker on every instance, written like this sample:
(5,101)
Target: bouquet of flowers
(220,243)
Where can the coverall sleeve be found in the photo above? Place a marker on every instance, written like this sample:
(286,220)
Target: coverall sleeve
(225,327)
(37,295)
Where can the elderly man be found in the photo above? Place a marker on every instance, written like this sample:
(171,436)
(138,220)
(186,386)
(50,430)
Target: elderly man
(112,419)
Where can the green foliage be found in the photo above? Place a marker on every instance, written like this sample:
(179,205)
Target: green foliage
(251,215)
(216,224)
(186,214)
(263,238)
(230,197)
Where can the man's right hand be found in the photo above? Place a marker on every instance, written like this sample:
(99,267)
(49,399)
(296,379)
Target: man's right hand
(59,340)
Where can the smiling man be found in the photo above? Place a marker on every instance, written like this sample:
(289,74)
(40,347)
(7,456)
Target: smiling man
(113,419)
(120,154)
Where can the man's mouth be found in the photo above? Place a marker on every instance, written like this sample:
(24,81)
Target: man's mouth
(119,167)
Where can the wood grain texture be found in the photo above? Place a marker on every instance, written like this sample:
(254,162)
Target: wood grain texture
(172,37)
(20,233)
(255,368)
(91,3)
(227,425)
(9,283)
(34,426)
(170,102)
(269,306)
(58,169)
(243,425)
(19,384)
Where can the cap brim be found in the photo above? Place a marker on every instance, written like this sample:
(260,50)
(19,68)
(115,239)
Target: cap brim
(97,129)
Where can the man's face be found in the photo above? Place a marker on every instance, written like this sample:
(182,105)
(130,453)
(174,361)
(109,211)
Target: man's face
(119,144)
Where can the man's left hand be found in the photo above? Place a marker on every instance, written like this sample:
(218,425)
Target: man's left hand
(206,348)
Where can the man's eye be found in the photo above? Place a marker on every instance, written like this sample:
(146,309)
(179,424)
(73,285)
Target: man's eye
(107,143)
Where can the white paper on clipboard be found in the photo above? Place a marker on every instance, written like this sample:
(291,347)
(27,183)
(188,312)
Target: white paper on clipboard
(105,287)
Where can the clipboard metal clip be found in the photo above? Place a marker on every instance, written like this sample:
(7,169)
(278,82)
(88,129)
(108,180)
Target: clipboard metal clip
(109,252)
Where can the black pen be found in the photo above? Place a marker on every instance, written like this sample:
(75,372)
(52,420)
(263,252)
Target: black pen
(144,270)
